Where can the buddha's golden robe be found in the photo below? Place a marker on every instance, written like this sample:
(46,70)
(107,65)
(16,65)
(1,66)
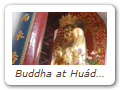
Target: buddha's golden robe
(74,51)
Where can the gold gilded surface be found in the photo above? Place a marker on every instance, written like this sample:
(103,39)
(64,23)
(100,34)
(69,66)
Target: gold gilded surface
(99,50)
(14,57)
(101,62)
(25,17)
(71,50)
(86,14)
(96,27)
(19,35)
(69,19)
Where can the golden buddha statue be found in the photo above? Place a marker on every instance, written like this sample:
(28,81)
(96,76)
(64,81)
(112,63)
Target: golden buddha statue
(73,52)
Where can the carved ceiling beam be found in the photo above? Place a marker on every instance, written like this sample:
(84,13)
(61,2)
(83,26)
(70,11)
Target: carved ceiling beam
(45,58)
(48,26)
(45,51)
(46,34)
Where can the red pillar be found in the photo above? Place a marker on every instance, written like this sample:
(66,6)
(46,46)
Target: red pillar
(36,38)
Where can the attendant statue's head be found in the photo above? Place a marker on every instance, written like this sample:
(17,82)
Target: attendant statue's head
(77,32)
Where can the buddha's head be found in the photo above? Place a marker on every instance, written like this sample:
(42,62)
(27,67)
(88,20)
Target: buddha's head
(67,31)
(68,22)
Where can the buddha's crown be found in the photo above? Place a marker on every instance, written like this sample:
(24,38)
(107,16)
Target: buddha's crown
(68,20)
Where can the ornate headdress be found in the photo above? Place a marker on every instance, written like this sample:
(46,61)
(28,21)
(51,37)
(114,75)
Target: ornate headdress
(68,21)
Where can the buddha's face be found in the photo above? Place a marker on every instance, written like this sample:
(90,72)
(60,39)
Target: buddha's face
(67,32)
(68,35)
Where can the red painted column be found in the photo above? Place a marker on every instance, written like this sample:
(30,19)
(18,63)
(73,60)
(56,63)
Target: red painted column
(36,38)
